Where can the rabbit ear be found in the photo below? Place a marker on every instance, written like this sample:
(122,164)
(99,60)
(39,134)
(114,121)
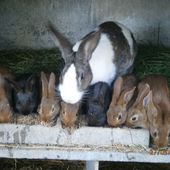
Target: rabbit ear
(31,81)
(128,95)
(44,85)
(117,89)
(13,84)
(149,105)
(143,90)
(51,86)
(87,47)
(147,100)
(2,88)
(62,43)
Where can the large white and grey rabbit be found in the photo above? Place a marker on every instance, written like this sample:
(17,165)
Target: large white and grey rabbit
(102,55)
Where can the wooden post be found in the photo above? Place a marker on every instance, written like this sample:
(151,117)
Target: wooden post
(92,165)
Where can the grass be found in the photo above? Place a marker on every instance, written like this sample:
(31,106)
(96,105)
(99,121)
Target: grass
(31,61)
(150,60)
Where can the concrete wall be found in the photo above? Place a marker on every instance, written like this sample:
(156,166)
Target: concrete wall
(22,23)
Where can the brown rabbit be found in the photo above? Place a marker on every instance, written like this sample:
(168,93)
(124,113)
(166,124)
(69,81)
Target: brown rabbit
(156,109)
(137,113)
(6,112)
(124,88)
(49,107)
(69,114)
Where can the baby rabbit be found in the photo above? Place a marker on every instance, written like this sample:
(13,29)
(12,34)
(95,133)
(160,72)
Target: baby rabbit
(158,109)
(6,112)
(69,114)
(123,91)
(49,107)
(26,94)
(155,111)
(137,113)
(98,103)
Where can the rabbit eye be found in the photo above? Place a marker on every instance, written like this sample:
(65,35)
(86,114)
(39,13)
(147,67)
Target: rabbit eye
(119,117)
(155,134)
(133,118)
(81,76)
(91,114)
(53,109)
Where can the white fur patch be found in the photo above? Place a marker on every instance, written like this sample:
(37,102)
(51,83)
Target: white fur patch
(68,89)
(76,46)
(127,34)
(101,62)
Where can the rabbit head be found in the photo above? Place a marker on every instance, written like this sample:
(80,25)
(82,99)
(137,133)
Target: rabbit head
(137,113)
(96,115)
(26,94)
(122,94)
(76,74)
(158,109)
(93,59)
(98,103)
(49,107)
(69,114)
(158,122)
(5,107)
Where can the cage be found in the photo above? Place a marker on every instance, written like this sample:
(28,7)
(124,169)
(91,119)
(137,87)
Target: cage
(26,45)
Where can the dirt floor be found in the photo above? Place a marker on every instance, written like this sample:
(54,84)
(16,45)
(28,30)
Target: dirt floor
(13,164)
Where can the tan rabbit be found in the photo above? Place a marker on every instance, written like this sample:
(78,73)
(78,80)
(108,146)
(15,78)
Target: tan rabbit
(49,107)
(158,110)
(69,114)
(6,112)
(123,91)
(155,109)
(136,113)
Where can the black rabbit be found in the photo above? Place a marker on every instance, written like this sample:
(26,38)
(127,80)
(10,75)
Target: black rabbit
(26,94)
(98,103)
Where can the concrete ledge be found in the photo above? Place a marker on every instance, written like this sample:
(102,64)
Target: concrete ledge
(72,153)
(84,136)
(85,143)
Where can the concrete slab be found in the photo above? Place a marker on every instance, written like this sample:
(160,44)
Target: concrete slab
(75,153)
(84,136)
(86,144)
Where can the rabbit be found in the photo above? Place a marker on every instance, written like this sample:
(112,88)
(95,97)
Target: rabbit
(49,107)
(159,109)
(26,94)
(98,103)
(154,112)
(123,91)
(69,114)
(101,56)
(6,112)
(137,113)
